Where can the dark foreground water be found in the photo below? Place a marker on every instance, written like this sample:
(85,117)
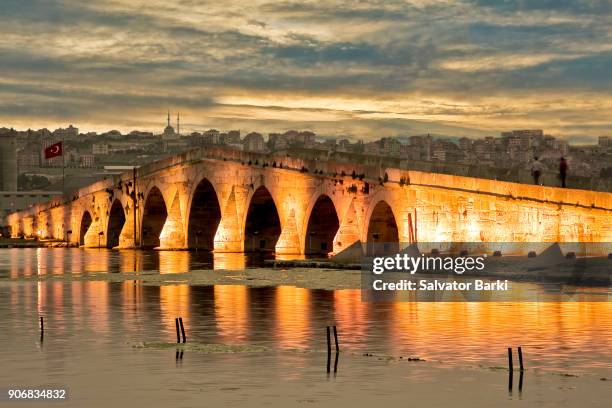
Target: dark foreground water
(94,329)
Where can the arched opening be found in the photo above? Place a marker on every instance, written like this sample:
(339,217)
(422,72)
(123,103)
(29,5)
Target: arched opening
(262,227)
(116,219)
(153,218)
(383,236)
(204,217)
(322,227)
(85,224)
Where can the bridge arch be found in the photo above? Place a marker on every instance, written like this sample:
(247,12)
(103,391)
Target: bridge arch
(86,221)
(116,220)
(154,216)
(204,216)
(382,234)
(262,226)
(323,224)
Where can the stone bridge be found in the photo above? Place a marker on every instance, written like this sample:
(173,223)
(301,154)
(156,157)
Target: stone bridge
(234,201)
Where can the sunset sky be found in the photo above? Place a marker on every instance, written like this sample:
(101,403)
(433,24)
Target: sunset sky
(362,69)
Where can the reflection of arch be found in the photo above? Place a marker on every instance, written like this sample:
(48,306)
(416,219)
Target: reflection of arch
(153,218)
(383,236)
(116,219)
(323,224)
(204,217)
(262,226)
(85,224)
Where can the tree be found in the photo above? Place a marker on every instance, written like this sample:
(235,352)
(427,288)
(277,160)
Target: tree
(33,182)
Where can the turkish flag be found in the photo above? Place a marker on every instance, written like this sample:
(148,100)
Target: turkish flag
(53,151)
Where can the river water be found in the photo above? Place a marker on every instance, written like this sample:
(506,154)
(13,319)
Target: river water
(94,330)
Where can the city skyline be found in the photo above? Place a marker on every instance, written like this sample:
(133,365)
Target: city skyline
(453,68)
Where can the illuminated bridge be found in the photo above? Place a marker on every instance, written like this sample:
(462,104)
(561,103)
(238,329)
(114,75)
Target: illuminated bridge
(234,201)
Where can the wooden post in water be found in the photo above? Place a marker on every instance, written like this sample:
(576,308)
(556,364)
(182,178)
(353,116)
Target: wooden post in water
(42,325)
(328,349)
(510,377)
(336,364)
(182,330)
(178,336)
(510,365)
(520,356)
(336,340)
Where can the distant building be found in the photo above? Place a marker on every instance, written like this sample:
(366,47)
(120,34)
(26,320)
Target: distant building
(253,142)
(445,150)
(169,133)
(421,147)
(101,149)
(69,133)
(561,147)
(232,137)
(87,160)
(8,160)
(523,139)
(29,156)
(212,136)
(465,143)
(390,146)
(277,141)
(371,148)
(295,138)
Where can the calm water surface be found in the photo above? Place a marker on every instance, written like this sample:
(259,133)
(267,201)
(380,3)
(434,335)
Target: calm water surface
(91,327)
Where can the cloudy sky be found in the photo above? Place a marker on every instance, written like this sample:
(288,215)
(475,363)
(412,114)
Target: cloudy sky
(362,69)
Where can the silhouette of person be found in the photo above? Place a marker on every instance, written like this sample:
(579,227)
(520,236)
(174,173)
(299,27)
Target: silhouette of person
(536,170)
(563,167)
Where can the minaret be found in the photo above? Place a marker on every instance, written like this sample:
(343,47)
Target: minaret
(178,124)
(168,117)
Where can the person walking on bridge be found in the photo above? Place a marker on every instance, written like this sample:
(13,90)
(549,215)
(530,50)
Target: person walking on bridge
(563,167)
(536,170)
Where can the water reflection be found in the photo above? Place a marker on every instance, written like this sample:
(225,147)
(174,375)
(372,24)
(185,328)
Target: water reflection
(557,335)
(174,301)
(24,262)
(232,313)
(292,308)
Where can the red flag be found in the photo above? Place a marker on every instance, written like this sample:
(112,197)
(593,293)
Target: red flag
(53,151)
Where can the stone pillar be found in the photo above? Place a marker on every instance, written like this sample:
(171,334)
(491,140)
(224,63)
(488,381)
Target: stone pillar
(348,232)
(230,236)
(289,240)
(126,238)
(92,239)
(16,229)
(172,235)
(28,227)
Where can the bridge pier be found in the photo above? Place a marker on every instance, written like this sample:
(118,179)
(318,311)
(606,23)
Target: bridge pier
(289,240)
(92,238)
(172,235)
(229,236)
(126,238)
(348,231)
